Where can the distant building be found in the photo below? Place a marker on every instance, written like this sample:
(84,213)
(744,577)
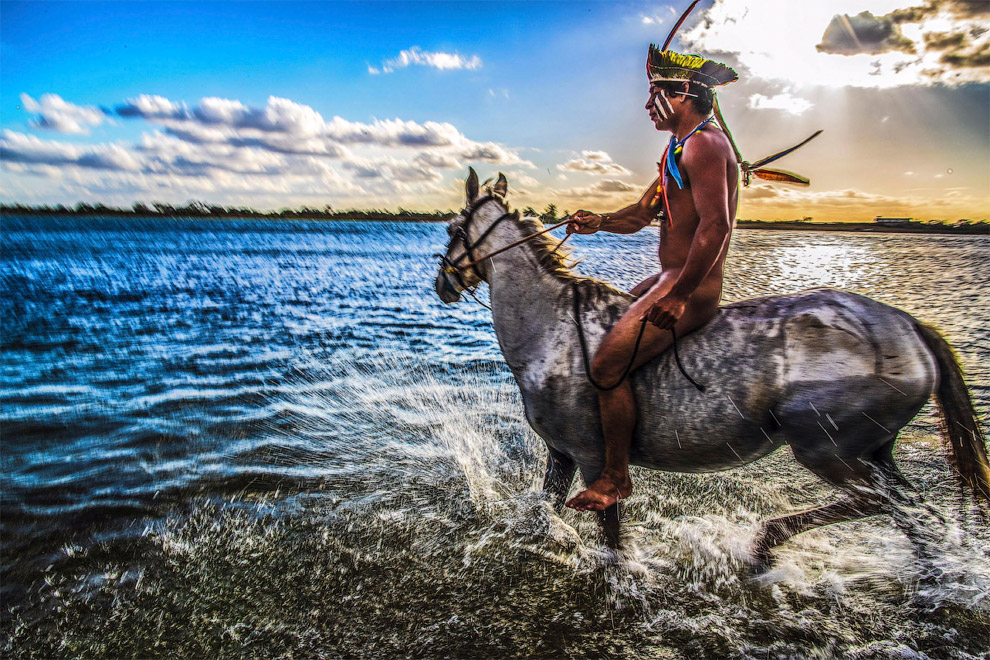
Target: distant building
(891,221)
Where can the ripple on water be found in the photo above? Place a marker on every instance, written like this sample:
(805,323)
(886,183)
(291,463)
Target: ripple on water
(249,439)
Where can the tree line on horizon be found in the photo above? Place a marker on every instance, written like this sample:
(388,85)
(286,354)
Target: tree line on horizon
(198,209)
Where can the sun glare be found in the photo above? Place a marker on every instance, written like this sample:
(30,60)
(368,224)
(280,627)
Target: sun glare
(778,39)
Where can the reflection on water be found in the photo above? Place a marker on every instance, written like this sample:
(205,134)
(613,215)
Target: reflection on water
(230,438)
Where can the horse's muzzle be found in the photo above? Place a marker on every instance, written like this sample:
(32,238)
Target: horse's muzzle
(447,293)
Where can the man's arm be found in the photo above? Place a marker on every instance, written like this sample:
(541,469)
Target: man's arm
(628,220)
(705,164)
(706,168)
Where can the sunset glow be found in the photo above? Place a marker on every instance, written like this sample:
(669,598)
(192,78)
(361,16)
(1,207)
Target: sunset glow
(358,105)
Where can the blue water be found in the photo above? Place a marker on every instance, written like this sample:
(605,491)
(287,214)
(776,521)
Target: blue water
(208,385)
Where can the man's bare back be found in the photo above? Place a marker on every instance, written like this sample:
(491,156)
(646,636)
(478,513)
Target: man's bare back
(694,240)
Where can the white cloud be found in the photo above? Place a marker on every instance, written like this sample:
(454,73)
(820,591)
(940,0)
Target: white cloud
(789,103)
(416,56)
(151,106)
(59,115)
(217,144)
(594,162)
(606,191)
(29,150)
(288,127)
(772,40)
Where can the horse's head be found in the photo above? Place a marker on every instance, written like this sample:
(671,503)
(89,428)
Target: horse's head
(468,231)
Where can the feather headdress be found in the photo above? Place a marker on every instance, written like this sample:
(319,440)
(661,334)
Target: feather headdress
(668,66)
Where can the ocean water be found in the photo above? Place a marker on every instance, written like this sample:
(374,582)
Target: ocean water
(270,439)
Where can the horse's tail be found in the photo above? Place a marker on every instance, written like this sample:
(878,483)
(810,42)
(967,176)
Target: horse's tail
(960,425)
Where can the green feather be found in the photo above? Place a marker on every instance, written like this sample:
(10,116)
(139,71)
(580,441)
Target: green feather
(667,65)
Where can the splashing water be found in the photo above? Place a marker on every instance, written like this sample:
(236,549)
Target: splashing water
(351,496)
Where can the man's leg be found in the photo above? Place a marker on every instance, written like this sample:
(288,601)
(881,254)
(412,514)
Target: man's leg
(618,406)
(644,286)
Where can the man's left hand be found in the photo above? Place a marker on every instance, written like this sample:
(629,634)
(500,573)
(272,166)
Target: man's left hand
(664,313)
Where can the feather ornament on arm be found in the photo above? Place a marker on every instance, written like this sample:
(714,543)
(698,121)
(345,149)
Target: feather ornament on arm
(781,176)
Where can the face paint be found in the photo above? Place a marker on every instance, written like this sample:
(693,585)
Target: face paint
(662,106)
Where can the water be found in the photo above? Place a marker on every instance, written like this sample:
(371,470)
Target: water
(270,439)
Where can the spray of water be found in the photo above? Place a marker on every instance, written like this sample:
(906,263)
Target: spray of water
(421,532)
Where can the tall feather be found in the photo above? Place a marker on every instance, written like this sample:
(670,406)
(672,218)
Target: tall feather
(781,154)
(677,25)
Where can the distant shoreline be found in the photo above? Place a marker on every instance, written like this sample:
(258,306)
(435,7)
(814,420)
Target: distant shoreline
(351,215)
(868,227)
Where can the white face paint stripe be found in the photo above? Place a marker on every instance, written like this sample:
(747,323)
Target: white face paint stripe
(664,109)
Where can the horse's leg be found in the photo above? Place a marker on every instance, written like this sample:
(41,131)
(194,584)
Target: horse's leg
(778,530)
(923,524)
(609,518)
(859,479)
(873,485)
(558,478)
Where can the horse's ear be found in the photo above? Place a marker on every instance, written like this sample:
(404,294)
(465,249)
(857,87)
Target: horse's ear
(471,185)
(501,187)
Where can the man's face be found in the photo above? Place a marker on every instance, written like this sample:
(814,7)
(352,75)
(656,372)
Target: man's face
(659,107)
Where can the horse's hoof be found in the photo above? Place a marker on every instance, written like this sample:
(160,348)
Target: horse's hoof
(760,563)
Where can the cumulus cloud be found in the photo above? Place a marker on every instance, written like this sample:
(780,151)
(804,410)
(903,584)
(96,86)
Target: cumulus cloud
(150,106)
(863,33)
(594,162)
(27,149)
(787,102)
(219,140)
(416,56)
(285,126)
(607,189)
(861,43)
(56,114)
(612,185)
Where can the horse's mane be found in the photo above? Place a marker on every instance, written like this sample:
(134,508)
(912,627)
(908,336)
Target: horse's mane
(558,261)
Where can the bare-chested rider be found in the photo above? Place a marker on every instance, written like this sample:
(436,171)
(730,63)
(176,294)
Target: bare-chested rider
(698,191)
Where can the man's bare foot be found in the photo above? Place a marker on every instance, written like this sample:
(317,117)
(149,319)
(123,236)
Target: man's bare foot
(603,493)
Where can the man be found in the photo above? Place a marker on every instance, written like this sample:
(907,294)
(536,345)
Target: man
(698,192)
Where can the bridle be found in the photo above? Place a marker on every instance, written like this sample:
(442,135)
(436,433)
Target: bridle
(454,268)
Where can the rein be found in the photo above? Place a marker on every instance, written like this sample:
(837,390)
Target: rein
(454,268)
(632,358)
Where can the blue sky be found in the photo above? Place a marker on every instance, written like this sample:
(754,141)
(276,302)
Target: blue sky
(366,105)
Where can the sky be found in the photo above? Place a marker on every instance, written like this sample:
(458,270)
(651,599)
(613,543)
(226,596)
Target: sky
(386,105)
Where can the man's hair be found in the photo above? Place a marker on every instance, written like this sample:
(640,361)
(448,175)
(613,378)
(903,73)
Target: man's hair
(704,95)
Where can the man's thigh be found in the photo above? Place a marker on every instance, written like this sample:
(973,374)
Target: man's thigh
(618,344)
(644,286)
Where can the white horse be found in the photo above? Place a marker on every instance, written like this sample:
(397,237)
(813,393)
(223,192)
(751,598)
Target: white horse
(833,374)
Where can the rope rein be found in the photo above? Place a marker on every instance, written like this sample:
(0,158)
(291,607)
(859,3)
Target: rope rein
(632,358)
(454,268)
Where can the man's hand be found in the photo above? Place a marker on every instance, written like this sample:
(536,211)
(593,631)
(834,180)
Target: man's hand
(666,311)
(584,222)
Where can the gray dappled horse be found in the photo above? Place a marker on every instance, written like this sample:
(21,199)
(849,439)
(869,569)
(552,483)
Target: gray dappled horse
(833,374)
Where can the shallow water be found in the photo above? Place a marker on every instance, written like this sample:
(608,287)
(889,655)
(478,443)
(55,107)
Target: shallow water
(239,438)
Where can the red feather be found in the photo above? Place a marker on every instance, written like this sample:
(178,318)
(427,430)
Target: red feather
(768,174)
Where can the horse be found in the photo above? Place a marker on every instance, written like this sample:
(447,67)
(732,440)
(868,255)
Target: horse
(832,374)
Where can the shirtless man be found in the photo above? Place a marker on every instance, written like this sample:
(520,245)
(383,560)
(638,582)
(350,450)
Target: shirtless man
(698,192)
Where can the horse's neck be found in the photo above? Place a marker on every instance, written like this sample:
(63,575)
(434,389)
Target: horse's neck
(531,307)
